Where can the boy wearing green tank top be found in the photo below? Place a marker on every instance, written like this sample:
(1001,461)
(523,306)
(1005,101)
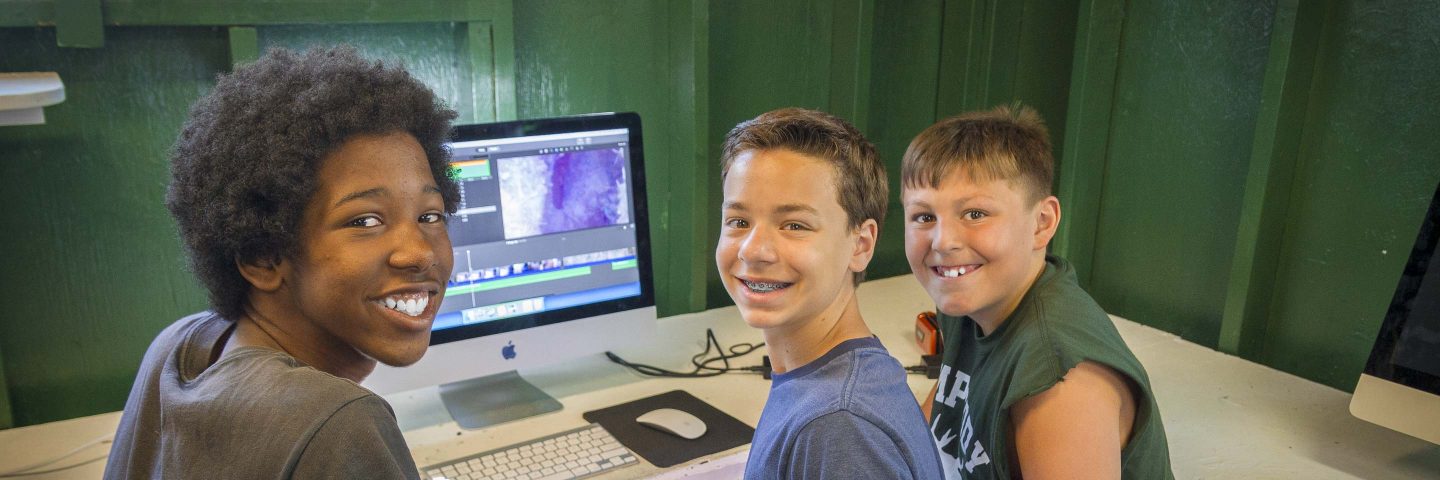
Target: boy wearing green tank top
(1035,381)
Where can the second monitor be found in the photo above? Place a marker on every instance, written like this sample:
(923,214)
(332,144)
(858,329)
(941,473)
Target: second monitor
(552,262)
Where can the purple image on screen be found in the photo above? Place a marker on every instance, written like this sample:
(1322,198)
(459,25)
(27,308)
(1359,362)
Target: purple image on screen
(562,192)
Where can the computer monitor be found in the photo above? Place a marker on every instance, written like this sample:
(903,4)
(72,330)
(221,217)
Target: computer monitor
(1400,388)
(552,262)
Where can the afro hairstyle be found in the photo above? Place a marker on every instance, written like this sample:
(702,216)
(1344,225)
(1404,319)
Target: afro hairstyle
(243,169)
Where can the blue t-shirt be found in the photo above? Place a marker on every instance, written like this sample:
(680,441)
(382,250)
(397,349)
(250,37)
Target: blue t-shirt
(848,414)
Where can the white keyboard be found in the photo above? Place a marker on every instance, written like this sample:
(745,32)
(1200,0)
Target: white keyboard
(578,453)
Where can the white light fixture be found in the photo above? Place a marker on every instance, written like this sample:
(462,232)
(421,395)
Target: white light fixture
(23,96)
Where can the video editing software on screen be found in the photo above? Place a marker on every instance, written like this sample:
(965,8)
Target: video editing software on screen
(544,223)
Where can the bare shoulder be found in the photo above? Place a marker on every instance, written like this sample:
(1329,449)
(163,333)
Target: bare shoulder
(1080,425)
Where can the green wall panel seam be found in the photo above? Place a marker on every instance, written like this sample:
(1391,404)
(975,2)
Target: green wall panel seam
(503,40)
(851,46)
(1087,135)
(684,183)
(1274,157)
(479,51)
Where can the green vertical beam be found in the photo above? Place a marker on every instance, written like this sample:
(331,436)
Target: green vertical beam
(685,174)
(961,40)
(852,41)
(1002,54)
(1279,127)
(1087,132)
(79,23)
(503,40)
(244,46)
(477,44)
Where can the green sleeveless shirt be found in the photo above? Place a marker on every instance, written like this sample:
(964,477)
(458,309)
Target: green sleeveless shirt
(1055,327)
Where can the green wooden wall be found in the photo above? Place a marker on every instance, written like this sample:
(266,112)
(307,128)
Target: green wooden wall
(1251,175)
(1245,174)
(1365,167)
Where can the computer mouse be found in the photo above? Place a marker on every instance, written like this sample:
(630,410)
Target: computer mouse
(675,422)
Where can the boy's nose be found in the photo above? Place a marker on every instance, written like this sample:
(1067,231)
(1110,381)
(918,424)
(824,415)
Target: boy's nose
(414,250)
(947,238)
(757,248)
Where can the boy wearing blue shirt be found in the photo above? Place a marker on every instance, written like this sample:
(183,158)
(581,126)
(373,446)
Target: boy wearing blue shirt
(804,195)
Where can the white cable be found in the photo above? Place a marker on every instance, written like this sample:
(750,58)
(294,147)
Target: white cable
(17,472)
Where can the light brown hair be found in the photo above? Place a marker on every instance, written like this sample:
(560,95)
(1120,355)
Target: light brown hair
(1005,143)
(860,185)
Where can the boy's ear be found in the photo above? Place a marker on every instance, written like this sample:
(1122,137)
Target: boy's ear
(265,274)
(1047,221)
(865,235)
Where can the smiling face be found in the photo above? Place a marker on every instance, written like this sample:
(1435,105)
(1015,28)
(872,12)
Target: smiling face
(977,245)
(374,254)
(787,252)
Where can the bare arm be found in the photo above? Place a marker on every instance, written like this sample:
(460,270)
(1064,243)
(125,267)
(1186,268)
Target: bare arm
(1077,428)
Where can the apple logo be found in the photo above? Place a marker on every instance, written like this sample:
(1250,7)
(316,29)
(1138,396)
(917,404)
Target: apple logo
(508,351)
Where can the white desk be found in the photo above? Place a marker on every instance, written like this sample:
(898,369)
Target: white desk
(1225,417)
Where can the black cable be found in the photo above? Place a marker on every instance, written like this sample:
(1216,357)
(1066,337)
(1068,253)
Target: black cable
(703,367)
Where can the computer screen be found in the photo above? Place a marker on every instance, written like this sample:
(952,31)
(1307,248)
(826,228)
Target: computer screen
(1400,388)
(552,249)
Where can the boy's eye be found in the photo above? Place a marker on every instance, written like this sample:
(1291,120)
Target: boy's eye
(367,221)
(433,218)
(737,223)
(974,215)
(793,226)
(922,218)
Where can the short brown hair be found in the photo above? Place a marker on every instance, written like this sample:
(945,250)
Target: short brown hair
(1005,143)
(860,185)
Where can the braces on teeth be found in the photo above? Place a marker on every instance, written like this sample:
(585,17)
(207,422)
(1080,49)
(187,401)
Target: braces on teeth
(763,287)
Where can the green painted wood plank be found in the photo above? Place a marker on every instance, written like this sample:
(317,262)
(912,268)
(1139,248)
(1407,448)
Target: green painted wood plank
(960,36)
(1367,169)
(1046,50)
(678,207)
(503,41)
(25,13)
(852,41)
(479,50)
(1092,94)
(79,24)
(1294,40)
(1004,26)
(981,54)
(244,45)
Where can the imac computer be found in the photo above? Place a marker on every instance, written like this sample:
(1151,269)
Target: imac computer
(1400,388)
(552,262)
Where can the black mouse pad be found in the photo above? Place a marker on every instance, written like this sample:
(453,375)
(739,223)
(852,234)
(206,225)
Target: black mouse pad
(722,431)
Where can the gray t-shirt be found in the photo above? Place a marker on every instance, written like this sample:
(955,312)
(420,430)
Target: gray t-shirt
(253,413)
(848,414)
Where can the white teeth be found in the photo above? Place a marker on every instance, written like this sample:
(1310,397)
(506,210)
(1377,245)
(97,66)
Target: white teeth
(952,273)
(409,306)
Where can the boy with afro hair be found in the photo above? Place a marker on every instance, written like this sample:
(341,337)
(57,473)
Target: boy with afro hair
(311,192)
